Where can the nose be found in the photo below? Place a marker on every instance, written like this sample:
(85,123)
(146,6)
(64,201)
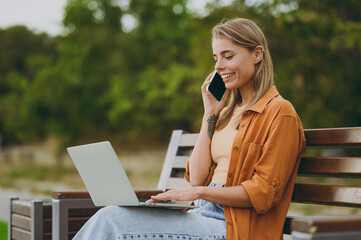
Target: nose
(219,65)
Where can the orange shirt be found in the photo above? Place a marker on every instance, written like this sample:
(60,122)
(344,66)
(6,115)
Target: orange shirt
(265,156)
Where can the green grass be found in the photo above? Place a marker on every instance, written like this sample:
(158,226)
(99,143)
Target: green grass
(3,230)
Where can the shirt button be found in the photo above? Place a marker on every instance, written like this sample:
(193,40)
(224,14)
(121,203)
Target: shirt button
(235,148)
(230,176)
(246,113)
(229,223)
(275,185)
(242,125)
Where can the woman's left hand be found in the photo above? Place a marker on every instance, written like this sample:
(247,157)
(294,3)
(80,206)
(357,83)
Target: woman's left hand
(186,194)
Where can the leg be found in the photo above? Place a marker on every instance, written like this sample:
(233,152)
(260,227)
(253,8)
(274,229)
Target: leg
(150,223)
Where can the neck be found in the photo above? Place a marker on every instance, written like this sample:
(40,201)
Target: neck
(247,95)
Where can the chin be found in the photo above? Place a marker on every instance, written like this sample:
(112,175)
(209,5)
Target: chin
(230,86)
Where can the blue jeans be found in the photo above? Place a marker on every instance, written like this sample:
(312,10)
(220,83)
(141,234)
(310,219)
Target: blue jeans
(113,222)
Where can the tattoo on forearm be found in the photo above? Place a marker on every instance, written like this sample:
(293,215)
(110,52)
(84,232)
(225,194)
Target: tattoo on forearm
(212,121)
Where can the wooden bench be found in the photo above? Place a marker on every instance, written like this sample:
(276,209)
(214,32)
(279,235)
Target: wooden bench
(71,209)
(29,219)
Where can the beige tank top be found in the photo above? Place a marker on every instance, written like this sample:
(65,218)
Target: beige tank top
(221,147)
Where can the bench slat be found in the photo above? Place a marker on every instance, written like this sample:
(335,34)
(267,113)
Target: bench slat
(332,166)
(188,140)
(75,223)
(333,137)
(180,162)
(176,183)
(82,212)
(24,222)
(327,223)
(21,221)
(21,207)
(17,233)
(327,194)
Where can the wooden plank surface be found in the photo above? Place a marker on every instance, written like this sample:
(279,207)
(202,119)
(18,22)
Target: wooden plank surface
(75,223)
(333,136)
(180,162)
(21,221)
(21,207)
(147,193)
(24,222)
(188,140)
(176,183)
(18,233)
(327,223)
(82,212)
(70,194)
(327,194)
(331,166)
(21,234)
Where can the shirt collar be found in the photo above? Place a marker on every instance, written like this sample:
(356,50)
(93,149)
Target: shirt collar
(260,105)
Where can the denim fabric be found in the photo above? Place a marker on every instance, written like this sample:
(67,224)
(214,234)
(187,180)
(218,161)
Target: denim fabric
(113,222)
(209,209)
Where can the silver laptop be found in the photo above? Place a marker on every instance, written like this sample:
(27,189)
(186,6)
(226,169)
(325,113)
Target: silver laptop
(105,178)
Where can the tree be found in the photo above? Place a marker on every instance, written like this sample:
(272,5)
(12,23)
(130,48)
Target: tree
(103,79)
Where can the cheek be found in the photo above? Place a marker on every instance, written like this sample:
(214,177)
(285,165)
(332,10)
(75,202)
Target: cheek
(243,65)
(246,70)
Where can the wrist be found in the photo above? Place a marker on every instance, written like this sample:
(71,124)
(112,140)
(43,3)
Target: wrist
(210,113)
(200,192)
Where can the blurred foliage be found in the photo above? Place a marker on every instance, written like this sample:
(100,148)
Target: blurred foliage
(34,173)
(102,78)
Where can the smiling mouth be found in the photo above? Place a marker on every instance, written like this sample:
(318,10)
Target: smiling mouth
(226,77)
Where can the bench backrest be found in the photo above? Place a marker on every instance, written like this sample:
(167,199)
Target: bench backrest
(29,219)
(331,153)
(319,142)
(315,163)
(340,158)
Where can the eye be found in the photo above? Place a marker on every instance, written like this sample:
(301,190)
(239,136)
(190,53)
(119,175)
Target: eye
(229,57)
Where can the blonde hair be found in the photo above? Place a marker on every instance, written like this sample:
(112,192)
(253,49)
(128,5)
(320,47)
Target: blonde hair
(247,34)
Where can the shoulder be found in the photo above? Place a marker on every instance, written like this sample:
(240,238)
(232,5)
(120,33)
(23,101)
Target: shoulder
(281,106)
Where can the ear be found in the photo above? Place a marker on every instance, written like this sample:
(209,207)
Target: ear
(258,54)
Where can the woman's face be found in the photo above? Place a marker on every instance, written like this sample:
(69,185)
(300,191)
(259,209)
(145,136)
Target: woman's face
(235,64)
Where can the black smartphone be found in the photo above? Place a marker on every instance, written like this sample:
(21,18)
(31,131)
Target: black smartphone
(217,87)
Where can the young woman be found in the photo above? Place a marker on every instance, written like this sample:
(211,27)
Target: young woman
(244,164)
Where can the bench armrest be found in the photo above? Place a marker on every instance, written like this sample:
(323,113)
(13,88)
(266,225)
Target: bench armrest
(85,194)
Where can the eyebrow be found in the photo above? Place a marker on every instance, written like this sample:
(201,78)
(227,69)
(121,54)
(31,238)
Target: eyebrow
(223,52)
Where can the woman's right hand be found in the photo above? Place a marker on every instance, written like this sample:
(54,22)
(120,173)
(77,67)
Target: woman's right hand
(211,105)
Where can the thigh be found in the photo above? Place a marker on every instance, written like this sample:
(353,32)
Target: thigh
(152,223)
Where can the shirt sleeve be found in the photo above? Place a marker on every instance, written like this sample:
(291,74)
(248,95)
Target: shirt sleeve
(277,161)
(186,176)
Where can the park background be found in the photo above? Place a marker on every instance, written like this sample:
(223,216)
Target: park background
(130,72)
